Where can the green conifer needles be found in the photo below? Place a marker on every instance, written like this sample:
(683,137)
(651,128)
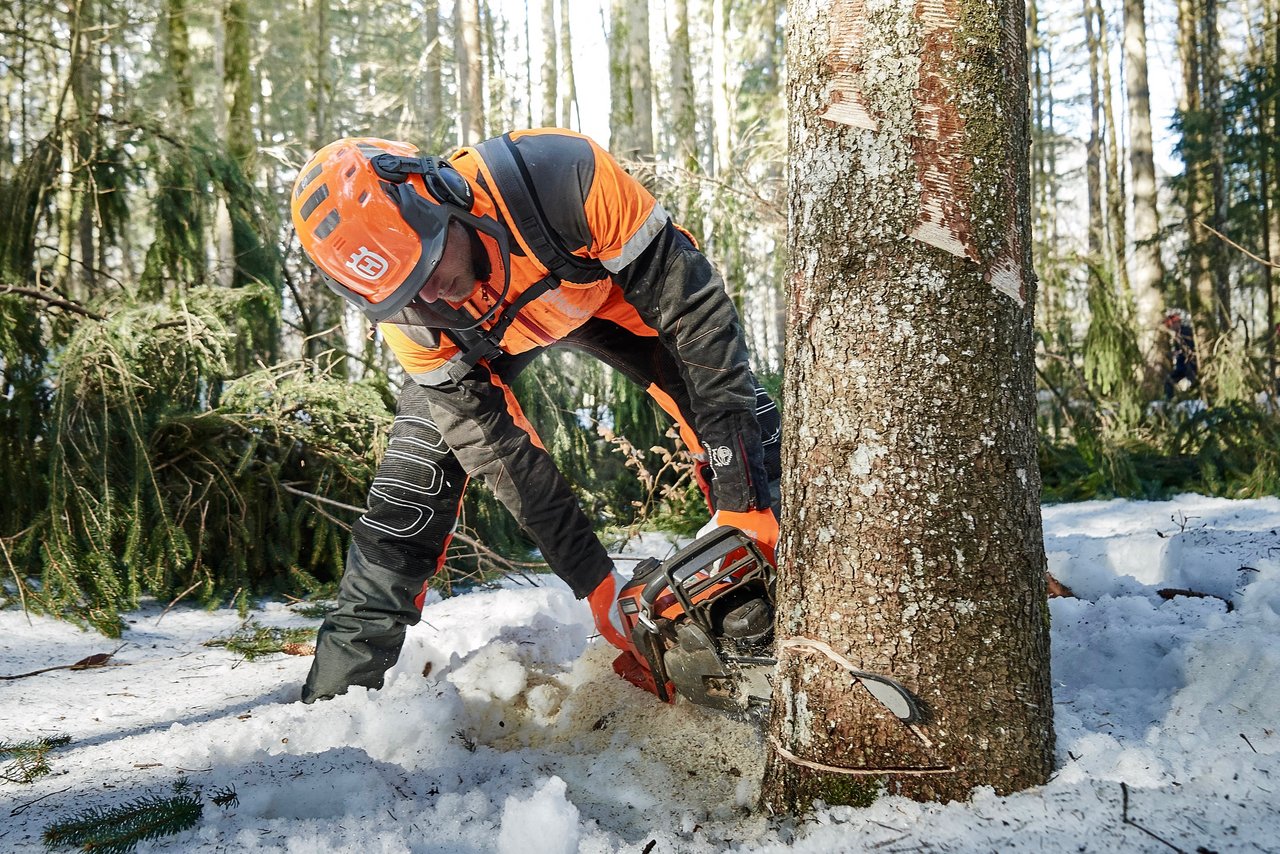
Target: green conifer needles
(28,760)
(117,830)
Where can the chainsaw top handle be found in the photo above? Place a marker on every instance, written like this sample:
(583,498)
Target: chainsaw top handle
(683,567)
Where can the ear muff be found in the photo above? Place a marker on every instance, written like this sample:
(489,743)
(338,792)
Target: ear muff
(445,184)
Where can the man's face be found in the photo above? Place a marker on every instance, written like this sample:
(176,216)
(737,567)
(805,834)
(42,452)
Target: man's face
(454,278)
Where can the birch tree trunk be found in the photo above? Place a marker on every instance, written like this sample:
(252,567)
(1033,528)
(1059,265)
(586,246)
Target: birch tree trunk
(912,542)
(1147,268)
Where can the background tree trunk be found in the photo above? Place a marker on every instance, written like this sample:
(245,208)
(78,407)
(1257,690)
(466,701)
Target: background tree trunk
(568,88)
(1147,268)
(470,72)
(550,76)
(641,77)
(912,542)
(1199,289)
(1211,66)
(683,116)
(1117,237)
(1093,149)
(721,102)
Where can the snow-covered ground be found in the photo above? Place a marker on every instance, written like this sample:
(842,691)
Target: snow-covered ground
(521,739)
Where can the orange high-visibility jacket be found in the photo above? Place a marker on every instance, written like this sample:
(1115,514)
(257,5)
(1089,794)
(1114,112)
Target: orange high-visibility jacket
(656,292)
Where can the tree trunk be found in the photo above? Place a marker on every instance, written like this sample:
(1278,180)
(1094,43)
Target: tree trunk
(470,72)
(1199,290)
(1116,232)
(237,86)
(568,87)
(179,61)
(1147,269)
(550,76)
(1212,80)
(1093,149)
(320,105)
(912,543)
(436,120)
(621,110)
(721,104)
(641,72)
(683,116)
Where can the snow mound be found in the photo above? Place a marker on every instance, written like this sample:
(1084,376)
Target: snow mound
(545,822)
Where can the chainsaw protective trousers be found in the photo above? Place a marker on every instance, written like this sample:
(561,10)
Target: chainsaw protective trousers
(399,544)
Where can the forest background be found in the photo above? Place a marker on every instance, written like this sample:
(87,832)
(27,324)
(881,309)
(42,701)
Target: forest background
(187,412)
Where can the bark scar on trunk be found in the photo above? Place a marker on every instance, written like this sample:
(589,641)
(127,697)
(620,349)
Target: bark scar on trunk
(844,61)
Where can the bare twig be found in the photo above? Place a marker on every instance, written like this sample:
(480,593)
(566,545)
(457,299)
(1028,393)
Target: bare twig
(52,299)
(22,588)
(21,808)
(176,600)
(1227,240)
(91,662)
(1124,816)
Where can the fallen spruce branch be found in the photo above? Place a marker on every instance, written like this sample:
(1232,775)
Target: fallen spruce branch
(253,641)
(29,759)
(91,662)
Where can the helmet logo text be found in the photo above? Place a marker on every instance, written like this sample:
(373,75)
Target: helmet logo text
(367,264)
(720,457)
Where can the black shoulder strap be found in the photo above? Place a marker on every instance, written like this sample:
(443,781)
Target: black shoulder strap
(511,174)
(477,344)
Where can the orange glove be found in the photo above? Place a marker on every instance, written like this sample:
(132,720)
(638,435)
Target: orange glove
(604,610)
(759,525)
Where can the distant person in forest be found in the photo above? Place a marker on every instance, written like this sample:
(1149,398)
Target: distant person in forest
(1182,351)
(471,267)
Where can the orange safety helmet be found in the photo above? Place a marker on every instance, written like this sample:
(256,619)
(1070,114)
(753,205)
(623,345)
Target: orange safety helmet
(373,216)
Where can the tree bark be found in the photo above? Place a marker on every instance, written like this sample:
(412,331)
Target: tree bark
(683,116)
(619,81)
(641,72)
(1199,291)
(912,541)
(568,87)
(470,72)
(1147,279)
(179,60)
(721,105)
(1093,149)
(1212,81)
(436,119)
(1116,231)
(550,76)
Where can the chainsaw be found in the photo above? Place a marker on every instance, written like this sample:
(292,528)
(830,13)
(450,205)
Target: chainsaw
(701,623)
